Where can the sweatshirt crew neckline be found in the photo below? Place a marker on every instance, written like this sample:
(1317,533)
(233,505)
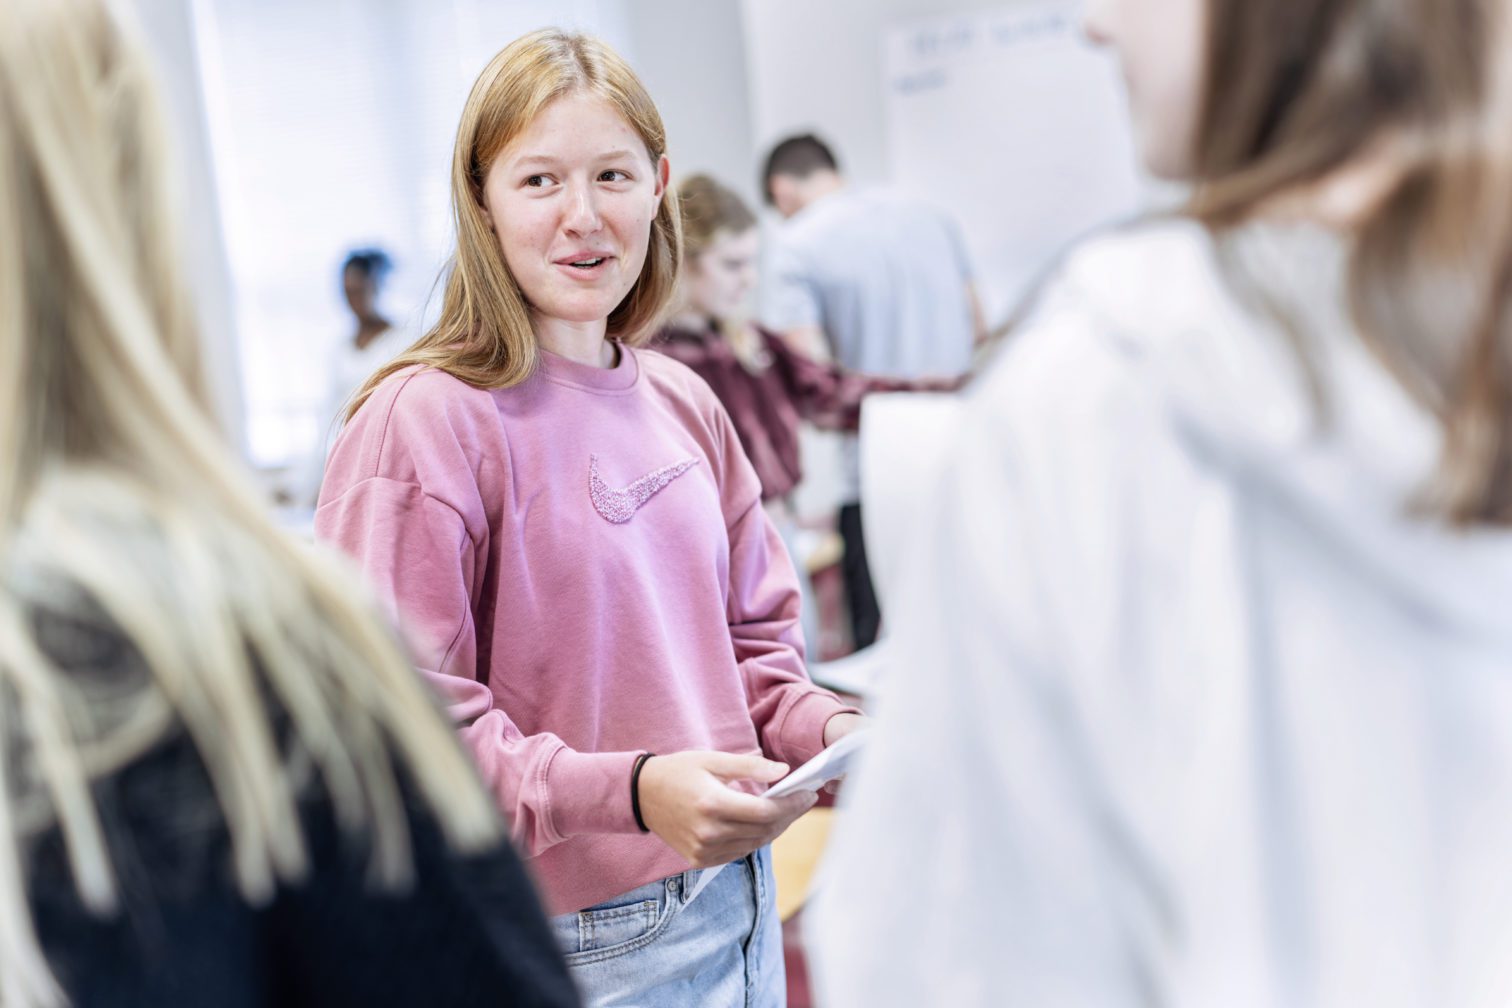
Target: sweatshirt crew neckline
(612,381)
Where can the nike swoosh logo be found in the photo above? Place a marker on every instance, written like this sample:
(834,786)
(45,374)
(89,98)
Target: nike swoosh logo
(619,506)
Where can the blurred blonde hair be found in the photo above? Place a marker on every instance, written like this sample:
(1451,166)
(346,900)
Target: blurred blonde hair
(1297,89)
(484,336)
(707,208)
(115,482)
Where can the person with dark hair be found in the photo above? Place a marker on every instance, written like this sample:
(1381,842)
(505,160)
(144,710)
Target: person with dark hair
(1216,588)
(374,342)
(880,281)
(362,276)
(790,162)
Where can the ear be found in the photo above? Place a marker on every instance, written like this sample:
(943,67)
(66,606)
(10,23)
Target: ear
(480,194)
(780,188)
(663,176)
(487,216)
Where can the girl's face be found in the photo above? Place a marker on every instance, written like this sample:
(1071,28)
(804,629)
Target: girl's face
(721,277)
(1160,47)
(571,200)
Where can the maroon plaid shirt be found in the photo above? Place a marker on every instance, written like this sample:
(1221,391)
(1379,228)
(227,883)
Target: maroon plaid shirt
(767,402)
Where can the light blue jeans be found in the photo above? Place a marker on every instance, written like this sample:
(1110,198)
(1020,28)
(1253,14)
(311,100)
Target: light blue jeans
(649,948)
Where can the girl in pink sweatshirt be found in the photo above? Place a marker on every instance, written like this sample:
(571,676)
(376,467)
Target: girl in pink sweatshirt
(568,527)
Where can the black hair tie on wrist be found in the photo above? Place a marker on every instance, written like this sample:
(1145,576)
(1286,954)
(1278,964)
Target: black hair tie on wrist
(640,761)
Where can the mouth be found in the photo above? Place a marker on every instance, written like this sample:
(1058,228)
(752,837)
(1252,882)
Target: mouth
(588,264)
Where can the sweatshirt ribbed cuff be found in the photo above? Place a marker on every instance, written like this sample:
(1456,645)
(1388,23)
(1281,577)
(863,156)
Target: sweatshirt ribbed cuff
(590,792)
(802,730)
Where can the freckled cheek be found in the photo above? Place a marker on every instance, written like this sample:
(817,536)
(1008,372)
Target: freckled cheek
(525,242)
(633,236)
(633,227)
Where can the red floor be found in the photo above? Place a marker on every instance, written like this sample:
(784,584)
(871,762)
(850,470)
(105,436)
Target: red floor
(797,967)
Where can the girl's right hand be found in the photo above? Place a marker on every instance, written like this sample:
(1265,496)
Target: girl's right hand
(685,799)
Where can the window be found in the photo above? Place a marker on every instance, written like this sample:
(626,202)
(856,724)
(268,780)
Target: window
(331,125)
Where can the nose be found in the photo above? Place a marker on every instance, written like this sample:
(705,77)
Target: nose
(582,217)
(745,278)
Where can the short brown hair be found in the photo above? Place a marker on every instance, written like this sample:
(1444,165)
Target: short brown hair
(799,156)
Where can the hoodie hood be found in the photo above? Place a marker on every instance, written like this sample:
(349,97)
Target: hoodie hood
(1220,335)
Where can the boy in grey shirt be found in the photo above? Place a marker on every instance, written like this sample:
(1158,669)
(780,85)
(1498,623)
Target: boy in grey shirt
(881,281)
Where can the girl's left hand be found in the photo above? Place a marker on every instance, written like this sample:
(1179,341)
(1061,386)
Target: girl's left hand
(841,725)
(835,729)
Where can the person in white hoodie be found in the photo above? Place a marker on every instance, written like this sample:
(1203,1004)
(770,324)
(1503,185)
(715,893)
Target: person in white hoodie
(1207,628)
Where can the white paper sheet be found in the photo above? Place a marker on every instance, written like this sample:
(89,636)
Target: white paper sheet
(831,764)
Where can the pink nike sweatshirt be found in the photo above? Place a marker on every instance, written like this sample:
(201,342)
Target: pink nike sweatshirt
(585,564)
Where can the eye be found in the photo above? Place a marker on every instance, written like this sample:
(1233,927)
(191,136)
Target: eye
(613,175)
(535,181)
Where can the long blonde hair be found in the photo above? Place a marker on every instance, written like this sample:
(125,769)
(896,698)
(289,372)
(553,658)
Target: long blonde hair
(1297,89)
(115,484)
(484,336)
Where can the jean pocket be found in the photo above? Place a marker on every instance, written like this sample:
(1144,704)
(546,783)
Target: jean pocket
(614,928)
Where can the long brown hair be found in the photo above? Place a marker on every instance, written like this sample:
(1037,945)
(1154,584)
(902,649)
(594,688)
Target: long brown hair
(1297,89)
(483,336)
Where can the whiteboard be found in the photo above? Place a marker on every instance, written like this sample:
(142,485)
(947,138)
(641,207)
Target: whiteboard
(1014,123)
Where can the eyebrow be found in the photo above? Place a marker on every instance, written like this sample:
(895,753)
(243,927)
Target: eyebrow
(542,159)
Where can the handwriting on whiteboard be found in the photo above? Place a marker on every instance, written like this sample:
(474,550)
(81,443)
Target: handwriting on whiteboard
(1016,125)
(923,56)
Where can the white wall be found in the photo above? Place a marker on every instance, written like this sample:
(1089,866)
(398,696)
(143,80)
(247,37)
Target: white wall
(691,54)
(332,129)
(816,65)
(169,29)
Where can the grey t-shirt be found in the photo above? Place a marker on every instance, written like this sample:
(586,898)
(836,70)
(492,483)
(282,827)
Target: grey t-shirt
(884,274)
